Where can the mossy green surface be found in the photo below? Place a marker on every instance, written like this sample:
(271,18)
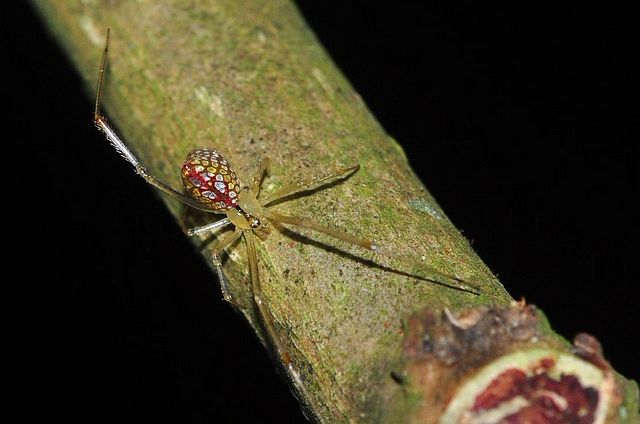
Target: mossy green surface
(249,79)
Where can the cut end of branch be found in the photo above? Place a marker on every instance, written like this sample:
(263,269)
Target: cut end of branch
(497,365)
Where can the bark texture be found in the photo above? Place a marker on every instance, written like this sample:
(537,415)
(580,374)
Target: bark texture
(249,79)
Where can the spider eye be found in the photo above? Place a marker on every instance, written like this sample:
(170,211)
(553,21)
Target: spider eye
(208,178)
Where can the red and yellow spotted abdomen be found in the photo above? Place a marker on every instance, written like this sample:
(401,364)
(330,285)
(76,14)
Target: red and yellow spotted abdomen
(208,178)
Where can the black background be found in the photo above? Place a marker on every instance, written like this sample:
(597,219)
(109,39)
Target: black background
(522,122)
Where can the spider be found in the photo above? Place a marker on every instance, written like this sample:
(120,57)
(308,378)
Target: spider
(212,186)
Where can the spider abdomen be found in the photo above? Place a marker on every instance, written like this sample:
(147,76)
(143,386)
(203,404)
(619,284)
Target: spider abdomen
(208,178)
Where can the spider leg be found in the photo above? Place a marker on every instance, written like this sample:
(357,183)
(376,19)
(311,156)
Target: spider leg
(305,223)
(216,250)
(428,272)
(266,316)
(210,227)
(126,153)
(120,146)
(309,183)
(263,169)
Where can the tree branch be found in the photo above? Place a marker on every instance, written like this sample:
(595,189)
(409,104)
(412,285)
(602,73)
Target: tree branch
(250,80)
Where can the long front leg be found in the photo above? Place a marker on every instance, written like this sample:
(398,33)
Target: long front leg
(124,150)
(126,153)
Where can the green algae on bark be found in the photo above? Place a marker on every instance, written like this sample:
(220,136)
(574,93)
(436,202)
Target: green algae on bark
(249,79)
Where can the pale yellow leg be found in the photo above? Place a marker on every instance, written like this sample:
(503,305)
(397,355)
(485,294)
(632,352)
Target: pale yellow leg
(305,223)
(309,183)
(429,273)
(216,250)
(263,169)
(267,317)
(208,228)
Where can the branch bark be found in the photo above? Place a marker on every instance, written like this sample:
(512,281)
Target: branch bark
(250,80)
